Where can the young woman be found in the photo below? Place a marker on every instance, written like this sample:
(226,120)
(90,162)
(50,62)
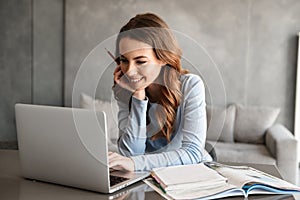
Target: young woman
(162,117)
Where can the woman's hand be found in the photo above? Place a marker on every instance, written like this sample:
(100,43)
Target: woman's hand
(118,162)
(121,80)
(140,94)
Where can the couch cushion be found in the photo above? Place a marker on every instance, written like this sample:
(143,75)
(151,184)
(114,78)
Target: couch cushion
(243,153)
(220,123)
(252,122)
(110,110)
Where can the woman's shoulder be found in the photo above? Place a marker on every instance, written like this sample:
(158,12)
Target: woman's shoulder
(189,80)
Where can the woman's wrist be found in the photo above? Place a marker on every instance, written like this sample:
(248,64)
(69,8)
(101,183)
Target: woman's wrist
(140,94)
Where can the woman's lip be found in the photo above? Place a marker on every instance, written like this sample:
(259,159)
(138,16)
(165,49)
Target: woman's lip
(135,80)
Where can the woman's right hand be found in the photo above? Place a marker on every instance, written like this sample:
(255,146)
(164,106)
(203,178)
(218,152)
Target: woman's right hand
(121,80)
(121,90)
(118,162)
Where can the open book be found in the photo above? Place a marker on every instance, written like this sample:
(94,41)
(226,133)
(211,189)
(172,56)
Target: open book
(214,180)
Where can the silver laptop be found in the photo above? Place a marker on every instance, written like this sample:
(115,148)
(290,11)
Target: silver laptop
(68,146)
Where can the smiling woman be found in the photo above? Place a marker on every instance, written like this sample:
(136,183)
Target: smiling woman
(162,116)
(139,64)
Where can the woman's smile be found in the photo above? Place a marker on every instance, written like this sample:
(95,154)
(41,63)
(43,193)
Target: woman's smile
(139,63)
(135,80)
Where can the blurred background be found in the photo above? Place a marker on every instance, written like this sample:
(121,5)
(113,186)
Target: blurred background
(43,43)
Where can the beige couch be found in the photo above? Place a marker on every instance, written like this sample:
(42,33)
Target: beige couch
(248,135)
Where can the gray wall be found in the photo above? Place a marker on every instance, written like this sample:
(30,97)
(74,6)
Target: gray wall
(31,64)
(48,44)
(253,43)
(43,43)
(15,62)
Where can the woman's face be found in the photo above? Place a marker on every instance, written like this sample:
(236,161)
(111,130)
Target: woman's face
(139,63)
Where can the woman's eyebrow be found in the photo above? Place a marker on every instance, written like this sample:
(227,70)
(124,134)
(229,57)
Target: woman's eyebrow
(135,58)
(138,57)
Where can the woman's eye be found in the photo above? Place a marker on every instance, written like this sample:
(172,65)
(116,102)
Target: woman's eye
(141,62)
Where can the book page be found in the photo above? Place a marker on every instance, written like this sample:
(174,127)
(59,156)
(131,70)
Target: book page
(267,179)
(243,175)
(235,176)
(211,192)
(187,176)
(224,190)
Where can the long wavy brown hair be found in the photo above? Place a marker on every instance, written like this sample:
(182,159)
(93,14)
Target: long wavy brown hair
(152,30)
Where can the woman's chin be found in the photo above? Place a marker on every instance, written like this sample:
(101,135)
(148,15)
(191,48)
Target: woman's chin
(138,86)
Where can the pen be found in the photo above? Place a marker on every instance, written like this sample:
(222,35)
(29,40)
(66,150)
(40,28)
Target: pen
(111,55)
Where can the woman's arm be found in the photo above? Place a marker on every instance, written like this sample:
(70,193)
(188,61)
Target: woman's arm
(193,131)
(132,123)
(132,127)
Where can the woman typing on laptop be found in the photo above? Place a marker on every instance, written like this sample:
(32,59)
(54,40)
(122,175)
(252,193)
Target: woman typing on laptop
(162,117)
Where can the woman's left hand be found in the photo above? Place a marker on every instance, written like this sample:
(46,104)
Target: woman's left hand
(118,162)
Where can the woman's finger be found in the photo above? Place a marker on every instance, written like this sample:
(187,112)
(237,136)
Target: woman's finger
(111,152)
(118,68)
(117,167)
(116,164)
(112,156)
(118,75)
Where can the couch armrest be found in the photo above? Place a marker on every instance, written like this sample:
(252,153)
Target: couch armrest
(284,147)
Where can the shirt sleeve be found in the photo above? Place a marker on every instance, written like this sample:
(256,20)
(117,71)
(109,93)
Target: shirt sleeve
(193,131)
(132,127)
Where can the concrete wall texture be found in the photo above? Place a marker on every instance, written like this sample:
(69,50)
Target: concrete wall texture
(15,62)
(31,64)
(252,42)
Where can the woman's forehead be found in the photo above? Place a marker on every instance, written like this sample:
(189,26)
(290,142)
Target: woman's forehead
(128,45)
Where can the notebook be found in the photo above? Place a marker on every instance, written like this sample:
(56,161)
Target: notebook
(68,146)
(212,180)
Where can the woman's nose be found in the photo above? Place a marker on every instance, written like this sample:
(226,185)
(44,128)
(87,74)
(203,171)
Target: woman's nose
(131,69)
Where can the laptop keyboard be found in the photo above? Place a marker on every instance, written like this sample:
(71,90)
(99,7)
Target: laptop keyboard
(116,179)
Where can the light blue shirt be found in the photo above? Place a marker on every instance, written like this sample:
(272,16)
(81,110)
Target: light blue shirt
(187,141)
